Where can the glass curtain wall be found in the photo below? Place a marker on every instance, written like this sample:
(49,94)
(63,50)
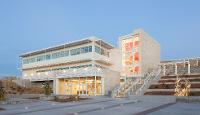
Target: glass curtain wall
(83,86)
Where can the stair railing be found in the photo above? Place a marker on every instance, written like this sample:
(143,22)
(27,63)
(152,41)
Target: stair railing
(152,77)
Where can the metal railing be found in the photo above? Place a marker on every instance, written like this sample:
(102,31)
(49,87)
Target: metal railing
(152,77)
(137,86)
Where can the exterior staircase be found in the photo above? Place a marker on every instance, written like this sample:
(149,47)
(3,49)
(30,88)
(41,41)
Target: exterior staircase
(136,85)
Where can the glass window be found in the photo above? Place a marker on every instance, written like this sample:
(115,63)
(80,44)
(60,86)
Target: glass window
(40,58)
(48,56)
(32,60)
(86,49)
(66,53)
(25,61)
(55,55)
(101,51)
(90,48)
(75,51)
(97,50)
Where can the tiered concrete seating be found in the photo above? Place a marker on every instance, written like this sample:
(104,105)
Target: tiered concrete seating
(188,69)
(166,85)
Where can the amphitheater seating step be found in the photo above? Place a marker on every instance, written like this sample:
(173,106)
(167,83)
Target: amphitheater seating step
(166,85)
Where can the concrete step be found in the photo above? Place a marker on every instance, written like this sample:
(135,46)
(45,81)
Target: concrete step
(150,90)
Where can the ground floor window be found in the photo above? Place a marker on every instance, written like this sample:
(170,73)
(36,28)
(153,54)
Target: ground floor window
(83,86)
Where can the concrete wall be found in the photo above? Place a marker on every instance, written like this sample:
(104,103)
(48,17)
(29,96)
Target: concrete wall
(111,80)
(116,58)
(148,49)
(150,52)
(61,90)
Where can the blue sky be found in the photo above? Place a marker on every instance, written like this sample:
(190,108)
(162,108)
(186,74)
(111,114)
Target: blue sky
(27,25)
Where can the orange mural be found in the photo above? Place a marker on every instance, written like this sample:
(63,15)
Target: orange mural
(136,56)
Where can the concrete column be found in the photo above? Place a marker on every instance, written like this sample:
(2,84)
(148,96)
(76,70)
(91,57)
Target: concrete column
(102,86)
(176,69)
(95,81)
(86,87)
(164,70)
(184,63)
(197,62)
(56,86)
(65,93)
(188,67)
(70,86)
(79,86)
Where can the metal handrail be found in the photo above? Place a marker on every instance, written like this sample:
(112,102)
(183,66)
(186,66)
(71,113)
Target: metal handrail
(151,78)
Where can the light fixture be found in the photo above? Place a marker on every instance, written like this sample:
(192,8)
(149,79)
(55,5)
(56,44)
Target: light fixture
(99,69)
(86,69)
(74,70)
(25,75)
(38,73)
(31,74)
(46,73)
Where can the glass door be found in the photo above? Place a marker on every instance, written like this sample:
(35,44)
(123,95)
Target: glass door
(83,89)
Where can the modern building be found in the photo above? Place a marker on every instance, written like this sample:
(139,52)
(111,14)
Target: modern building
(92,66)
(86,67)
(140,54)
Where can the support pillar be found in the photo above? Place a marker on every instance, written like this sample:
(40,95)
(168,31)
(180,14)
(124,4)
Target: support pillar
(184,63)
(65,93)
(188,67)
(164,70)
(95,81)
(79,86)
(56,86)
(176,69)
(86,87)
(102,86)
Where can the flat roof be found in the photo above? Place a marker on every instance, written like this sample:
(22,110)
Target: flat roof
(67,45)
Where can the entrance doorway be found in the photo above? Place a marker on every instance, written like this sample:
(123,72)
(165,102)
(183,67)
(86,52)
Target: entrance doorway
(83,89)
(83,86)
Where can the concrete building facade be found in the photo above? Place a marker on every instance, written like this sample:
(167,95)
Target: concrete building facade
(140,54)
(85,67)
(91,66)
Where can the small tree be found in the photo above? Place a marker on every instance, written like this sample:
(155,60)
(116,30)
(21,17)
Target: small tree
(47,88)
(2,93)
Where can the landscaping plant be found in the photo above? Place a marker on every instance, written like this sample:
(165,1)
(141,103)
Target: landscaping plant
(2,94)
(47,88)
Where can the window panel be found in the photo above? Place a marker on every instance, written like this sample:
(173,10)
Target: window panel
(48,56)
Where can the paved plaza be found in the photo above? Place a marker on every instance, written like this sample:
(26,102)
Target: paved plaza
(105,106)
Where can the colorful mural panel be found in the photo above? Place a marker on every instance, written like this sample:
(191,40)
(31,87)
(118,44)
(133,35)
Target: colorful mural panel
(130,55)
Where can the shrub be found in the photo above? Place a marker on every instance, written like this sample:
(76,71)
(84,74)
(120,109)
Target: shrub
(2,94)
(47,88)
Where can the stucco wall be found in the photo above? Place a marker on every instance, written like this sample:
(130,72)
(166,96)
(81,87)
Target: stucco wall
(116,57)
(150,52)
(111,80)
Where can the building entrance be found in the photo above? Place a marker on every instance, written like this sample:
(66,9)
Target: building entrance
(83,86)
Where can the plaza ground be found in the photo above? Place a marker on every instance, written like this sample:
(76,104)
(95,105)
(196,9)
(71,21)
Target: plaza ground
(151,105)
